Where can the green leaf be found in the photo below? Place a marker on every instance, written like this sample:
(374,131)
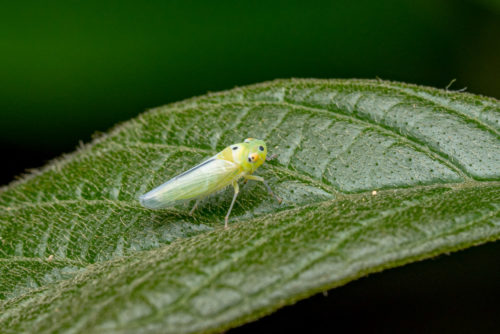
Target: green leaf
(78,253)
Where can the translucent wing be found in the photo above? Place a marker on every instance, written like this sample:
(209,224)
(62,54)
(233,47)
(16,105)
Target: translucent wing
(201,180)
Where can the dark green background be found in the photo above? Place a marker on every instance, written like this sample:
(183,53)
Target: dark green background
(71,68)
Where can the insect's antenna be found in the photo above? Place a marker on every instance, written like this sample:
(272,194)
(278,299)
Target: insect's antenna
(272,157)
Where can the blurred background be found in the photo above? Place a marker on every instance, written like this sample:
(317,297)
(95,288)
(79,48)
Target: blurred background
(69,69)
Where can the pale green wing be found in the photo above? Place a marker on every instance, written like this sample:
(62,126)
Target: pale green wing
(201,180)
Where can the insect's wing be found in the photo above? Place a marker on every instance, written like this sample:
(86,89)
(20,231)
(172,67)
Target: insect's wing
(209,176)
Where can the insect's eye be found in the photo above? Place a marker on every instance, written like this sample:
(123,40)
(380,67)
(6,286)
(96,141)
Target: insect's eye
(235,147)
(261,148)
(249,159)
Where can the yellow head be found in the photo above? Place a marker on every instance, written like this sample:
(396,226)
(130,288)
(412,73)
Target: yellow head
(255,155)
(250,154)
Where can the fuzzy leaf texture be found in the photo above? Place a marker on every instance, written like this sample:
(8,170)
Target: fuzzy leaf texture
(79,254)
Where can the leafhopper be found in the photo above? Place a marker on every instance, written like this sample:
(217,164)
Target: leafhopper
(225,168)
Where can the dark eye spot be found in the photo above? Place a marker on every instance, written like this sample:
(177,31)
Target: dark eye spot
(261,148)
(235,147)
(249,159)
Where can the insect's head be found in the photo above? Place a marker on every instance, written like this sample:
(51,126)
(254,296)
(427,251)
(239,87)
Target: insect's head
(257,152)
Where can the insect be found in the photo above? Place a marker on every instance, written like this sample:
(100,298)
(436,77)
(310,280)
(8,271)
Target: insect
(226,167)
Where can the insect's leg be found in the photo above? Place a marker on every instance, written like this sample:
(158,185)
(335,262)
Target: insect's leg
(236,191)
(272,157)
(261,179)
(194,207)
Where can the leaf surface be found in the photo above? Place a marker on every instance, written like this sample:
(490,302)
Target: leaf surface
(373,174)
